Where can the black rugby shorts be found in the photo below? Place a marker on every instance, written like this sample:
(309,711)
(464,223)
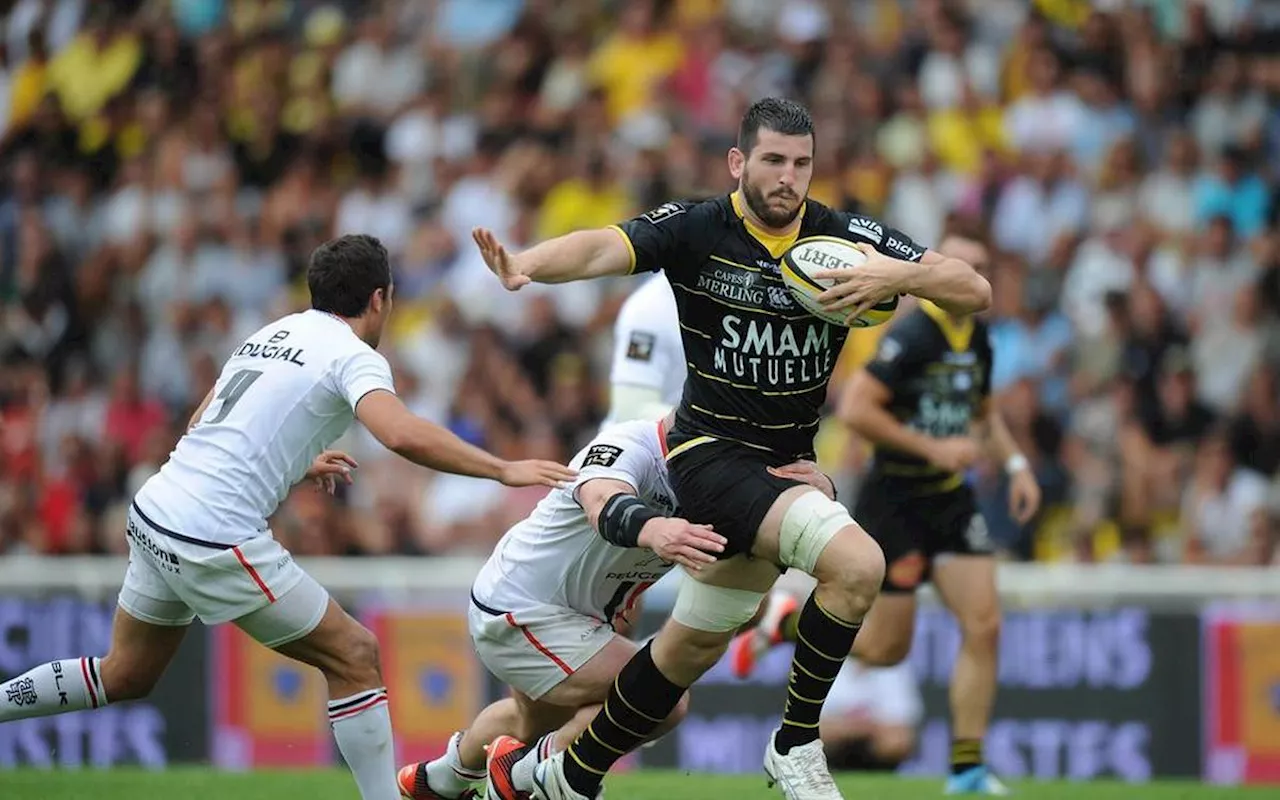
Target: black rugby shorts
(726,485)
(913,528)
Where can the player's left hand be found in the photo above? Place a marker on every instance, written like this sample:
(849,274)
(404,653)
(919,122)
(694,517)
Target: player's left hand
(330,467)
(806,472)
(536,473)
(877,280)
(1024,496)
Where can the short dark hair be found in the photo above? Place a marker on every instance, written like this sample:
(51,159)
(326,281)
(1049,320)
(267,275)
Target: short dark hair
(345,272)
(776,114)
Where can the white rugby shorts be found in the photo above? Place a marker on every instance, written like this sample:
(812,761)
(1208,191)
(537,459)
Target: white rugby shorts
(173,578)
(533,650)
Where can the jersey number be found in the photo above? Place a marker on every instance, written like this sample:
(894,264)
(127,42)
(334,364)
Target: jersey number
(611,610)
(234,390)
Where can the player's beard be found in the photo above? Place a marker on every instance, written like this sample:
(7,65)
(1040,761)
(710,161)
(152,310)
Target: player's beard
(771,216)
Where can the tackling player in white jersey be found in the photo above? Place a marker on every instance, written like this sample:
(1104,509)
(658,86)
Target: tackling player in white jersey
(544,608)
(199,544)
(648,371)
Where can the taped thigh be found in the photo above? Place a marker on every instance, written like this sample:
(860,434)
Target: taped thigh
(808,526)
(714,609)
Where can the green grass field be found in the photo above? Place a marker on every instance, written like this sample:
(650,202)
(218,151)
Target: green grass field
(204,784)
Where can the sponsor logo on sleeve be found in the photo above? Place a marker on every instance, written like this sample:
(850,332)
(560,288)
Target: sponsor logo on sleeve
(904,249)
(663,212)
(601,455)
(867,228)
(640,346)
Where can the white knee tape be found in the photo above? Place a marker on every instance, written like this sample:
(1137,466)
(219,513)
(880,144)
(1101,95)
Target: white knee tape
(810,523)
(714,609)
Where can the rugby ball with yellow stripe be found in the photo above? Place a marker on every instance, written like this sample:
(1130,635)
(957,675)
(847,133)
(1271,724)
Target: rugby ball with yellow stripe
(818,253)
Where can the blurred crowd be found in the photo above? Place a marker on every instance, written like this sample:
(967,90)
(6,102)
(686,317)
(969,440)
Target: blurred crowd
(167,167)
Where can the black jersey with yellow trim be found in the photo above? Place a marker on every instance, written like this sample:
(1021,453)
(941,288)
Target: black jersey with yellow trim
(758,363)
(939,370)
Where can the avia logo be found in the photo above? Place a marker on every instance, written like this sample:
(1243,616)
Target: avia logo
(867,228)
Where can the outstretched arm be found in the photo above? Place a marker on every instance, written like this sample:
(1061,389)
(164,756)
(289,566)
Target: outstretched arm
(575,256)
(434,447)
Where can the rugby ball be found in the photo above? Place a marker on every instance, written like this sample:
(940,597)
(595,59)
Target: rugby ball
(818,253)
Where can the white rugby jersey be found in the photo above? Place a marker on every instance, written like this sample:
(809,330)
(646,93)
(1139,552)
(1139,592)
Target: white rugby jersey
(287,393)
(647,350)
(554,556)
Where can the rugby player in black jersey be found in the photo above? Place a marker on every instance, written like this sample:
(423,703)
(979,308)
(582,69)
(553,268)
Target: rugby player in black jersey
(758,372)
(924,403)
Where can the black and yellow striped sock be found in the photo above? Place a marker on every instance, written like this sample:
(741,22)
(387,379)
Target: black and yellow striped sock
(641,698)
(823,641)
(965,754)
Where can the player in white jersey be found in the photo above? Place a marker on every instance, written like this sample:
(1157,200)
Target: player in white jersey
(545,606)
(199,544)
(648,370)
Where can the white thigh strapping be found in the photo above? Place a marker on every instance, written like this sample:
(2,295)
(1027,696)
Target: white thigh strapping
(713,609)
(292,616)
(809,525)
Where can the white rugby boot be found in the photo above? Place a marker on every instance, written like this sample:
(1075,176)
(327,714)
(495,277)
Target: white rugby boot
(549,782)
(801,774)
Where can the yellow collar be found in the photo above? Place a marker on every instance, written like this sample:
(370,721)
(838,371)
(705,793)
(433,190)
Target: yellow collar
(776,244)
(956,333)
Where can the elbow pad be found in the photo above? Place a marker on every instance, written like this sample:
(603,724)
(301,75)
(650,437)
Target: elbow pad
(622,518)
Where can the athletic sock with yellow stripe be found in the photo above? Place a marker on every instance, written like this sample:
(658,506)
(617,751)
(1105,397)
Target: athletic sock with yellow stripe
(823,641)
(641,698)
(965,755)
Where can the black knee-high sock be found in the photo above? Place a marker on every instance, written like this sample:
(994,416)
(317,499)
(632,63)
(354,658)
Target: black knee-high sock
(641,698)
(823,641)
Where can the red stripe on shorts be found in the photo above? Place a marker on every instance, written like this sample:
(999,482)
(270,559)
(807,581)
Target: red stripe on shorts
(533,640)
(84,670)
(253,573)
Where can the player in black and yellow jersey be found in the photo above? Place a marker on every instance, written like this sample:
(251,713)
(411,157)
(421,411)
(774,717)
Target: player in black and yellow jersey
(924,402)
(758,372)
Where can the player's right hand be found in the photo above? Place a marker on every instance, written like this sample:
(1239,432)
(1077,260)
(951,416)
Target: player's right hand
(329,467)
(499,261)
(954,454)
(678,541)
(536,473)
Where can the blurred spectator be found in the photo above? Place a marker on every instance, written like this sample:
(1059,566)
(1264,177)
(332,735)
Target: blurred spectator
(1223,512)
(1236,191)
(1042,210)
(1167,198)
(1048,116)
(632,62)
